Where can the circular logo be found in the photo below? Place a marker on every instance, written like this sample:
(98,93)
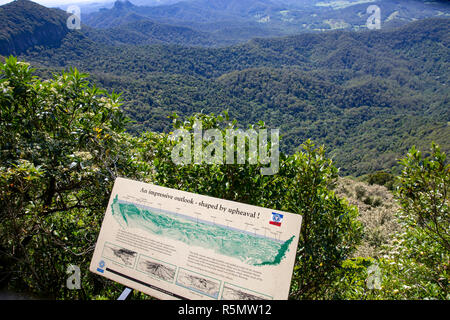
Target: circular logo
(101,264)
(276,217)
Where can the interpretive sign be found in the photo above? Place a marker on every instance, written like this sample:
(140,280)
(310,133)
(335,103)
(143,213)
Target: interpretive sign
(173,244)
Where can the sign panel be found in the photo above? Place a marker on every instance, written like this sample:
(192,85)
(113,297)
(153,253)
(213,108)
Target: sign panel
(173,244)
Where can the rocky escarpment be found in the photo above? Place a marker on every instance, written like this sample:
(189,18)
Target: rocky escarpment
(25,24)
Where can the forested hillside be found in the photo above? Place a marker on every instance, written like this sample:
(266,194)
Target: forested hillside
(368,96)
(24,24)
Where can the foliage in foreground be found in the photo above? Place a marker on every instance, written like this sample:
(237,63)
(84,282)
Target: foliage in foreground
(63,143)
(416,264)
(330,231)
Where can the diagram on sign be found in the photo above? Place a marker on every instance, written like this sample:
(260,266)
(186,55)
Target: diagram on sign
(232,292)
(199,283)
(119,254)
(245,245)
(157,269)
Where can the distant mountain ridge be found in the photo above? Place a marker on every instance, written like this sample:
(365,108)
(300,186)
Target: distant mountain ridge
(25,24)
(208,23)
(367,96)
(122,12)
(142,32)
(275,17)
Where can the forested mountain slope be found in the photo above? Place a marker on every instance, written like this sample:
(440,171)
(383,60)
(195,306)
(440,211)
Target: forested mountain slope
(24,24)
(207,23)
(143,32)
(367,95)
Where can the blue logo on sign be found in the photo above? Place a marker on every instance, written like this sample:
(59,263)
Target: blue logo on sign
(277,217)
(101,265)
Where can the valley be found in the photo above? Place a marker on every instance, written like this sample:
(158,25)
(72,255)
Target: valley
(366,95)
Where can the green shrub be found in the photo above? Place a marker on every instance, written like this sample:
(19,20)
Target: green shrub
(360,192)
(418,264)
(354,280)
(382,178)
(62,145)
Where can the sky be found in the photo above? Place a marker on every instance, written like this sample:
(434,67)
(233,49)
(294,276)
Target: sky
(54,3)
(48,3)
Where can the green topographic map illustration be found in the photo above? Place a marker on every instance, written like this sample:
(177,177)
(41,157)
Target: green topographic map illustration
(248,247)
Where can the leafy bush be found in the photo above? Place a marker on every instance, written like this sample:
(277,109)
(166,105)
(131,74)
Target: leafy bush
(354,280)
(62,145)
(360,192)
(418,264)
(415,265)
(382,178)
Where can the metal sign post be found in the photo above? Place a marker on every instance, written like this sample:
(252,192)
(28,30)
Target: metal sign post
(125,293)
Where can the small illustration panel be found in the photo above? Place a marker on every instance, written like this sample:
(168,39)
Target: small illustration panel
(232,292)
(157,269)
(120,255)
(199,283)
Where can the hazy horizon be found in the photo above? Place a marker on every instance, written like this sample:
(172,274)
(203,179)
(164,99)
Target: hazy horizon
(59,2)
(49,3)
